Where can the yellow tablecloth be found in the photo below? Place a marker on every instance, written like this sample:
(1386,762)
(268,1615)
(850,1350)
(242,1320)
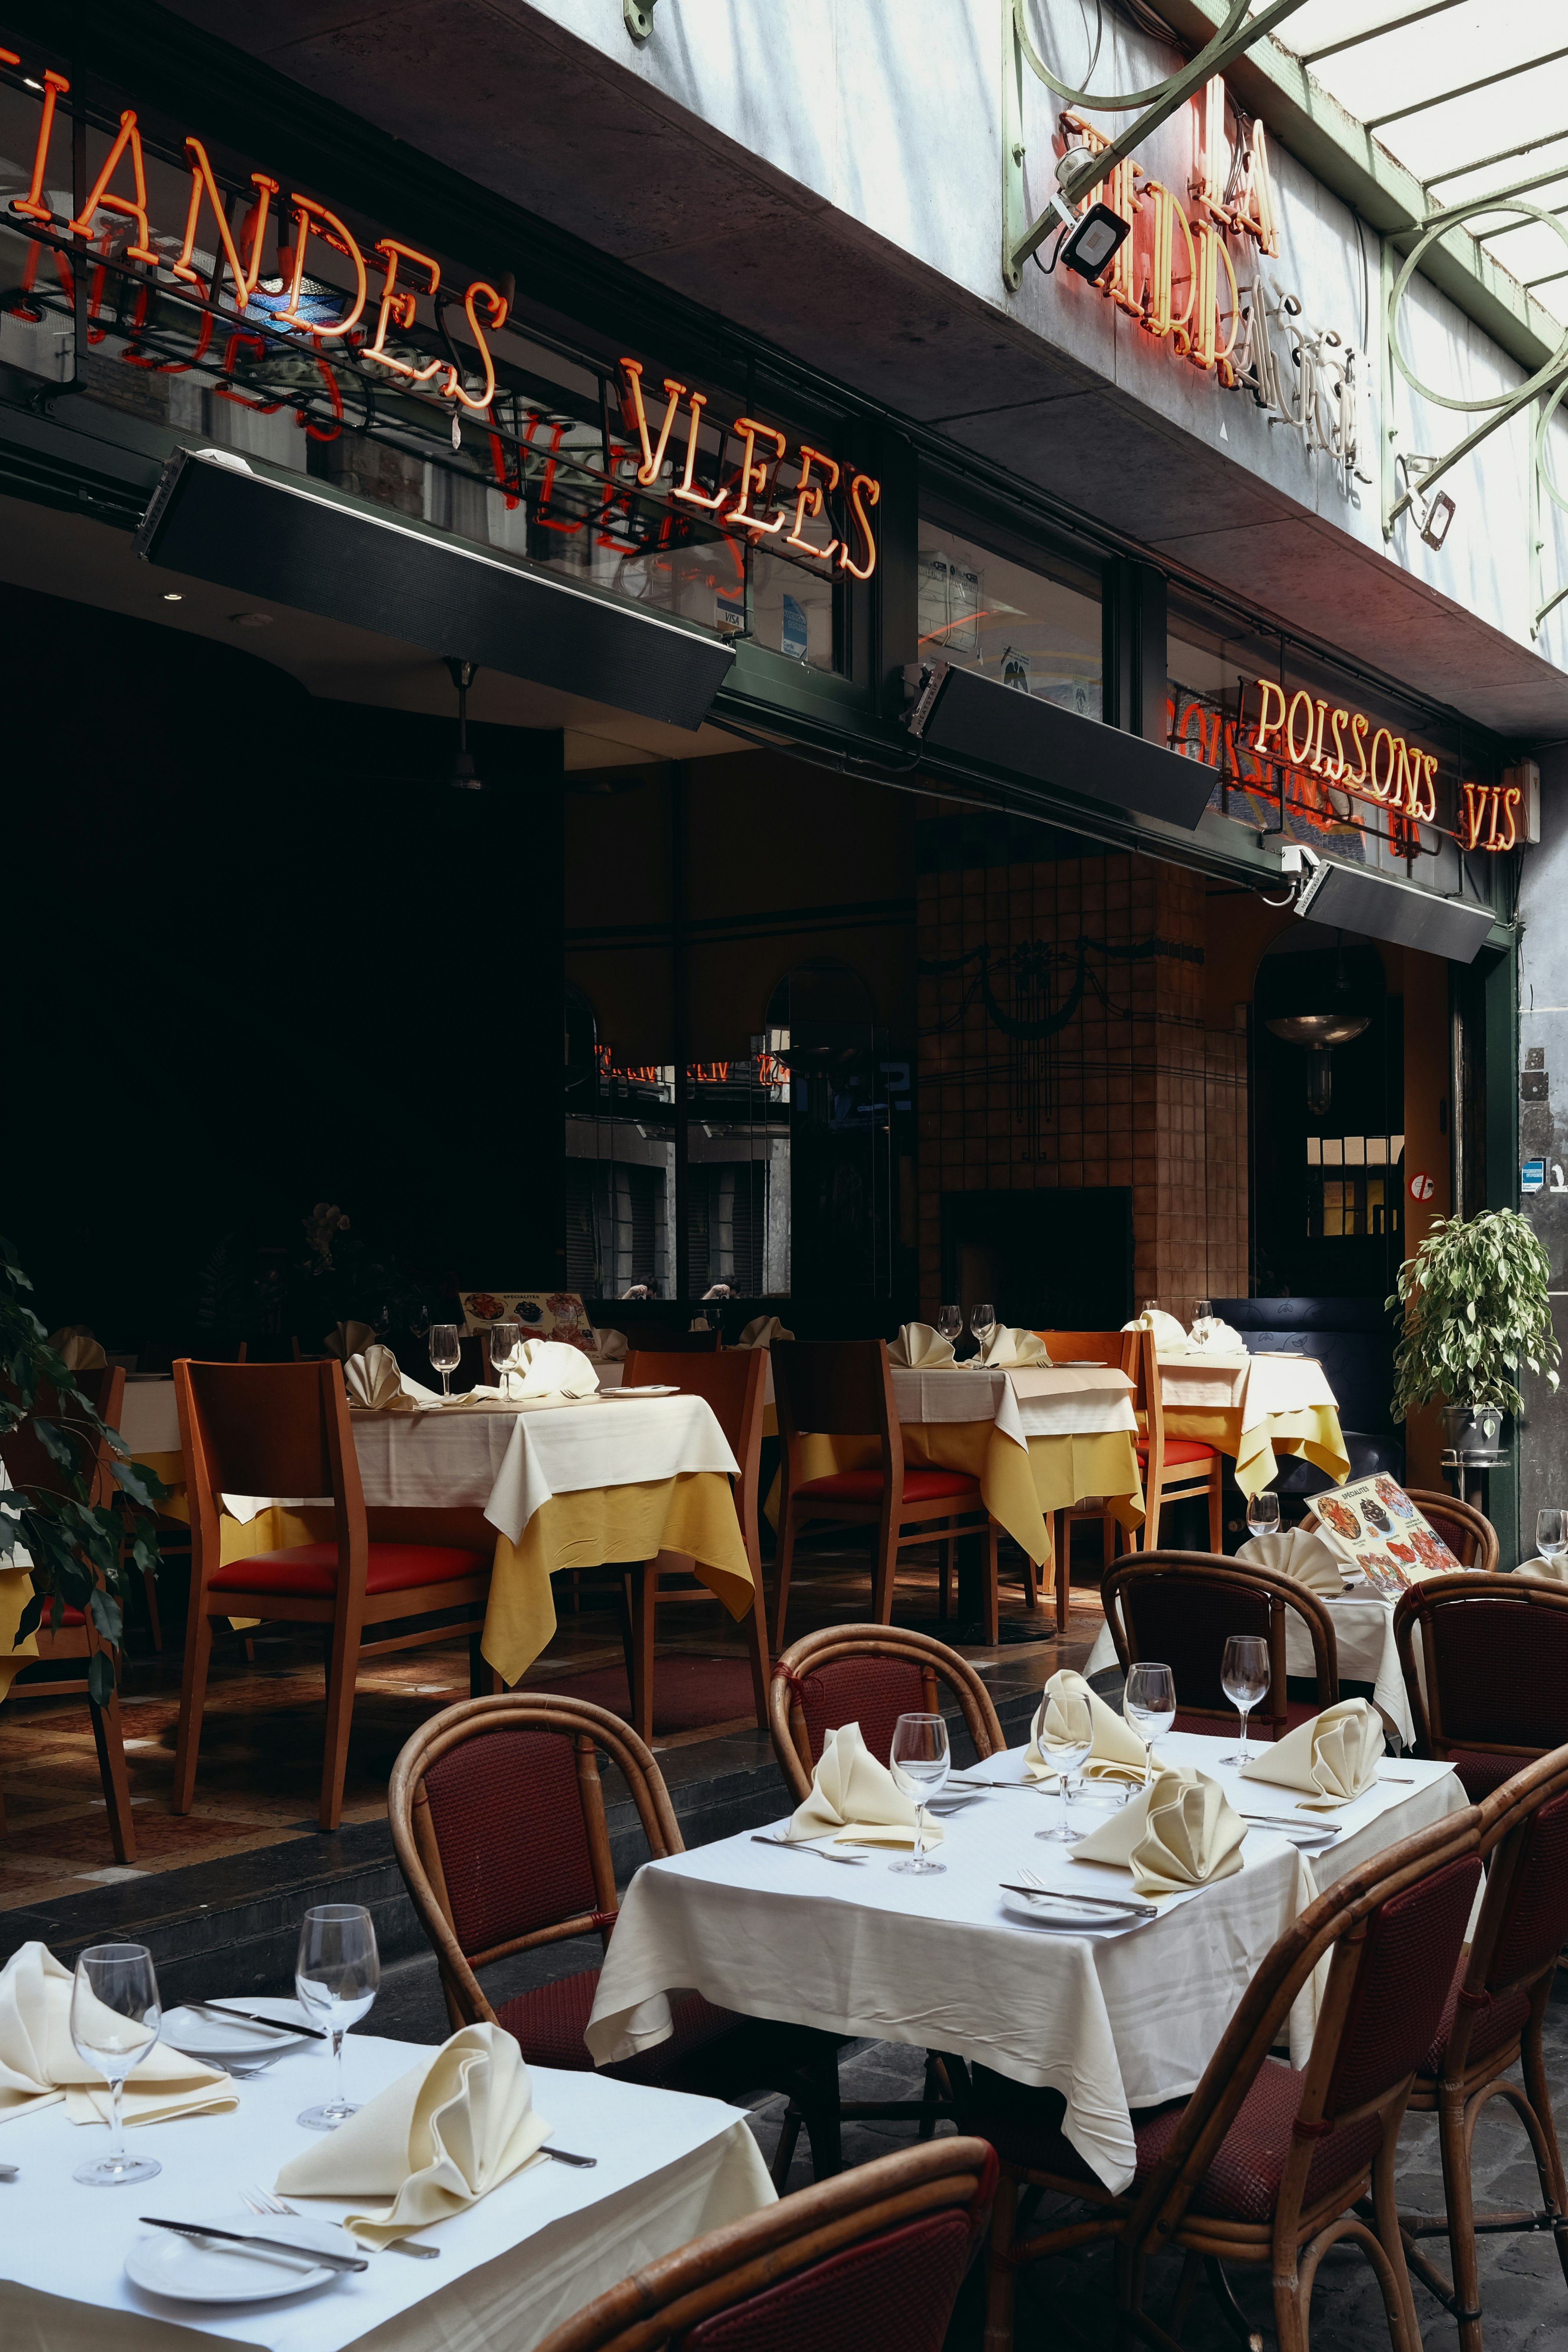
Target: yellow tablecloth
(1313,1431)
(16,1592)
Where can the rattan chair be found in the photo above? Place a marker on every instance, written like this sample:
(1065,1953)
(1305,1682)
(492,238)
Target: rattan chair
(1488,1691)
(869,2263)
(869,1675)
(1180,1607)
(1492,2022)
(1264,2164)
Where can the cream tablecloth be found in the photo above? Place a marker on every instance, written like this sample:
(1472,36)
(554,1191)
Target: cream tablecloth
(1255,1408)
(512,2267)
(1114,2021)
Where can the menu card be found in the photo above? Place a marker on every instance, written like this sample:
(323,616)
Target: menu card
(544,1314)
(1374,1522)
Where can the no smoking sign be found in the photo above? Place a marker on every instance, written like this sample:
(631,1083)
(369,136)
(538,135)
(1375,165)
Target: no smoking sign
(1421,1186)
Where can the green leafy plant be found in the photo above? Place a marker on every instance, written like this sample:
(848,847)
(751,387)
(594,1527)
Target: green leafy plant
(78,1548)
(1476,1308)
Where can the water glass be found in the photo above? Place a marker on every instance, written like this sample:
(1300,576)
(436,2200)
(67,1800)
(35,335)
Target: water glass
(920,1762)
(950,1322)
(506,1351)
(336,1976)
(1552,1534)
(1263,1514)
(1150,1707)
(445,1353)
(1073,1736)
(116,2017)
(1203,1310)
(982,1322)
(1244,1679)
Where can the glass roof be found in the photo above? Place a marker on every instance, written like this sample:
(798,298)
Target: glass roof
(1471,96)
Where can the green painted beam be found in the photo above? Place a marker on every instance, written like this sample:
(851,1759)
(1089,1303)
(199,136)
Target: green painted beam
(1316,129)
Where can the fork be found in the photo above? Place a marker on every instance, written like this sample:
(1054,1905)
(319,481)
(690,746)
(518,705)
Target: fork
(789,1846)
(261,2200)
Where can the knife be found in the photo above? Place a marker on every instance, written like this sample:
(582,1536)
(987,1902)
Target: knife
(565,2156)
(312,2257)
(251,2017)
(1078,1902)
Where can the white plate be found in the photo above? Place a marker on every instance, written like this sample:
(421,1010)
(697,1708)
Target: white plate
(187,2270)
(200,2035)
(654,1388)
(1059,1912)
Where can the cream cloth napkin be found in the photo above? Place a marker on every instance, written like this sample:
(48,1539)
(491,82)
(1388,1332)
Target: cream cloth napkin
(349,1339)
(40,2066)
(918,1348)
(1333,1757)
(1309,1558)
(372,1378)
(1170,1339)
(1118,1752)
(81,1350)
(1179,1832)
(1212,1333)
(762,1332)
(1010,1345)
(449,2131)
(609,1347)
(854,1796)
(554,1369)
(1554,1571)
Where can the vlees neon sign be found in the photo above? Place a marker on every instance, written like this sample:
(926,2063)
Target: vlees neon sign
(754,500)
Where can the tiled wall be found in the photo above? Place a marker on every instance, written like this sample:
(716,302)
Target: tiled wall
(1132,1089)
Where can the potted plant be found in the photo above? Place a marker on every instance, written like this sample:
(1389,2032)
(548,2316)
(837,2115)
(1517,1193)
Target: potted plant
(1476,1308)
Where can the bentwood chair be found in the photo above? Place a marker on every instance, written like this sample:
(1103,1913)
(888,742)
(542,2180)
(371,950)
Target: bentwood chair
(499,1824)
(1485,1660)
(869,2263)
(1492,2022)
(284,1429)
(31,1468)
(845,1389)
(734,1383)
(1180,1607)
(869,1675)
(1111,1349)
(1264,2164)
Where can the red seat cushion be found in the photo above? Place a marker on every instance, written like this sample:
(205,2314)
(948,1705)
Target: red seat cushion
(548,2022)
(1501,2020)
(311,1570)
(865,1486)
(1177,1449)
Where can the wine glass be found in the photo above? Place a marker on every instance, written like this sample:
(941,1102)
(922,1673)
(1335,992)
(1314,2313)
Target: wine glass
(1073,1736)
(950,1322)
(1150,1707)
(1203,1310)
(1263,1514)
(116,2017)
(982,1322)
(506,1352)
(445,1354)
(1552,1534)
(920,1762)
(336,1976)
(1244,1677)
(1150,1306)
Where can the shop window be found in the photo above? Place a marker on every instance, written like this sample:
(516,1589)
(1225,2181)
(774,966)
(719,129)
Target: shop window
(1013,622)
(737,1173)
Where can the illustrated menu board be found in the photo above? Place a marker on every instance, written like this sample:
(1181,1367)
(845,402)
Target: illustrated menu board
(544,1314)
(1374,1522)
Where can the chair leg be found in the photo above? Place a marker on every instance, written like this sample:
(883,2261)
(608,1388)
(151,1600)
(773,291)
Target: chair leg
(757,1646)
(343,1668)
(1453,2143)
(109,1739)
(783,2155)
(1062,1532)
(884,1569)
(1216,1508)
(192,1698)
(991,1600)
(783,1562)
(1538,2091)
(483,1680)
(945,1551)
(643,1583)
(1001,2283)
(150,1589)
(1149,1534)
(1031,1584)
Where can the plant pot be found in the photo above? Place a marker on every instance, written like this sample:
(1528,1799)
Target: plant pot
(1474,1434)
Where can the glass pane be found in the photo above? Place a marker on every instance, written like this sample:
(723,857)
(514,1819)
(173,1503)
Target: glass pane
(982,611)
(738,1173)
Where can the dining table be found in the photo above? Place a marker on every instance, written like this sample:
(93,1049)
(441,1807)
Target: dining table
(1254,1407)
(512,2265)
(1115,2020)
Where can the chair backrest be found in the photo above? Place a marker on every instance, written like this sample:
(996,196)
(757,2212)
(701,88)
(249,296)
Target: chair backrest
(1523,1922)
(870,2261)
(734,1381)
(838,1388)
(1494,1661)
(655,1339)
(1392,1929)
(869,1675)
(498,1820)
(32,1468)
(1088,1346)
(1468,1533)
(268,1429)
(1180,1608)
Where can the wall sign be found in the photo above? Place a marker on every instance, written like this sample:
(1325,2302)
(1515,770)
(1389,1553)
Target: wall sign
(1421,1186)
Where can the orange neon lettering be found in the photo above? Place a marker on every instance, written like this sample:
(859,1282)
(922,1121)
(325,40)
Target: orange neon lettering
(244,280)
(32,205)
(808,501)
(1334,768)
(1213,160)
(1428,808)
(1510,802)
(1381,789)
(133,208)
(497,305)
(652,458)
(1494,794)
(1358,730)
(1408,769)
(308,215)
(1158,316)
(859,482)
(1267,728)
(1317,759)
(1206,350)
(753,475)
(686,488)
(1255,213)
(1297,757)
(397,305)
(1469,815)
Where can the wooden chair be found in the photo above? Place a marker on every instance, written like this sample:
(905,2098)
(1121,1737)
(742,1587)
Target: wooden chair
(497,1820)
(873,2260)
(1264,2164)
(1180,1607)
(1488,1691)
(1173,1469)
(1113,1350)
(31,1468)
(845,1389)
(732,1383)
(1468,1533)
(284,1429)
(869,1675)
(1492,2022)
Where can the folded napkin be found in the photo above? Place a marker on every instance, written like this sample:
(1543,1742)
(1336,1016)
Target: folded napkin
(349,1339)
(762,1332)
(554,1369)
(449,2131)
(1333,1757)
(610,1347)
(1211,1334)
(39,2064)
(373,1380)
(1170,1339)
(1009,1345)
(1555,1571)
(1118,1752)
(1179,1832)
(918,1348)
(76,1345)
(854,1796)
(1309,1558)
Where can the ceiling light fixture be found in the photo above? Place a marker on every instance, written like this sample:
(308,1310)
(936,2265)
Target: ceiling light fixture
(251,620)
(173,596)
(462,776)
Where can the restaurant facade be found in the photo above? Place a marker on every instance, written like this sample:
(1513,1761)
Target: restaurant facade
(605,801)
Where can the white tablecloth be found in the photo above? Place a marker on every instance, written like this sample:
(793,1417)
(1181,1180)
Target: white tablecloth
(512,2266)
(1112,2022)
(1035,1401)
(1257,1386)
